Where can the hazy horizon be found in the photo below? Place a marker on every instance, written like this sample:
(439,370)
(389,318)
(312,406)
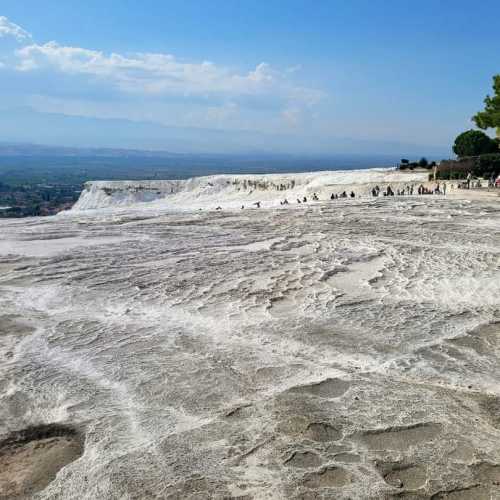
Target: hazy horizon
(60,130)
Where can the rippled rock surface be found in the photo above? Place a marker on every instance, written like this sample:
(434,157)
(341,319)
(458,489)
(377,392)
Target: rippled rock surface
(343,350)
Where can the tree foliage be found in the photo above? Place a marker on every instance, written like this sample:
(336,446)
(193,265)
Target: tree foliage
(485,166)
(474,143)
(490,117)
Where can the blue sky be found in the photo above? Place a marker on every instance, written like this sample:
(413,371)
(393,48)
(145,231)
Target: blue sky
(377,71)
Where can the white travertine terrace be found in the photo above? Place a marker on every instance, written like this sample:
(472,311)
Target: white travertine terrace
(231,191)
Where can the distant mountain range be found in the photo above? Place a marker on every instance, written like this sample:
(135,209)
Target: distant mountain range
(41,150)
(23,127)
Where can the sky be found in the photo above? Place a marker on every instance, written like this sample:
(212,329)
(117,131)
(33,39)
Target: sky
(322,75)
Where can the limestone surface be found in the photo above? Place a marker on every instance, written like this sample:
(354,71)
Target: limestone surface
(342,350)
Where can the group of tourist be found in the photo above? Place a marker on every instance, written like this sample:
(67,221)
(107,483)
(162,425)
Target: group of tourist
(409,190)
(439,188)
(315,197)
(335,196)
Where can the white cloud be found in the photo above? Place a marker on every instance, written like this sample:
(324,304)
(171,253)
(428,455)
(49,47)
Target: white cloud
(8,28)
(162,74)
(196,91)
(144,72)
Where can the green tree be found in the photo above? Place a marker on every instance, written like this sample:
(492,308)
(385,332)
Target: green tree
(423,162)
(474,143)
(490,117)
